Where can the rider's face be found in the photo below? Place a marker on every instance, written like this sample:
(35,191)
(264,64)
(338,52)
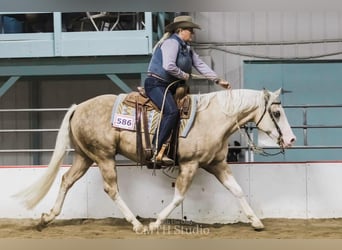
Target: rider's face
(186,34)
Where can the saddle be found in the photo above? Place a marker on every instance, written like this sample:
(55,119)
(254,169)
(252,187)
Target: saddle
(142,103)
(139,97)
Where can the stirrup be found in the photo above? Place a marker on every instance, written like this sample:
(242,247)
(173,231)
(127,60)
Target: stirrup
(162,158)
(166,161)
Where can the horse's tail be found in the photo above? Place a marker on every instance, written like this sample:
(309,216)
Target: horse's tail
(33,194)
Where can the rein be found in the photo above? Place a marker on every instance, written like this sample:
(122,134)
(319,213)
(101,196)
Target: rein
(260,150)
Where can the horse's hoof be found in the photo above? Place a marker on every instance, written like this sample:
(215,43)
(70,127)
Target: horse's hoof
(145,230)
(258,226)
(153,226)
(140,229)
(40,226)
(43,222)
(259,229)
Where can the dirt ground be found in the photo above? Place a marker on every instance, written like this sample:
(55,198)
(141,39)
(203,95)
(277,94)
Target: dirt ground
(114,228)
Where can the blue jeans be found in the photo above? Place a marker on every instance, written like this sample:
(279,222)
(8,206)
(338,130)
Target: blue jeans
(155,90)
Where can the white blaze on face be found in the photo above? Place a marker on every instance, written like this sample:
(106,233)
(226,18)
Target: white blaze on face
(265,141)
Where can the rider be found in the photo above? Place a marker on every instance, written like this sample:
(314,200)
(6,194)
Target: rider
(170,66)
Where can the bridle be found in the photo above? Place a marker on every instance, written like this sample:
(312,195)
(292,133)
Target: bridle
(280,139)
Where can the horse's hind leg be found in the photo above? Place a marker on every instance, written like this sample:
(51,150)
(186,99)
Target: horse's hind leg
(224,175)
(77,170)
(108,170)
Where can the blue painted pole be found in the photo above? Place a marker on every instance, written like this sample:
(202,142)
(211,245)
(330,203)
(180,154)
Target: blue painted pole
(122,85)
(9,83)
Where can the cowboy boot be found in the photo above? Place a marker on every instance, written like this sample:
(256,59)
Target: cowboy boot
(164,159)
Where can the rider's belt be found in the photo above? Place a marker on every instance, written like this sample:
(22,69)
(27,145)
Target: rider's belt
(156,76)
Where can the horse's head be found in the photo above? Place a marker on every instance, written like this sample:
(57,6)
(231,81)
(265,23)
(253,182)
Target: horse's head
(271,119)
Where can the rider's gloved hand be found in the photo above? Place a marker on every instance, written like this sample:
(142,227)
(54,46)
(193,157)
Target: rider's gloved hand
(223,83)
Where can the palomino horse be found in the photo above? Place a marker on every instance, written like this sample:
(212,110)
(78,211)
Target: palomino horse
(88,128)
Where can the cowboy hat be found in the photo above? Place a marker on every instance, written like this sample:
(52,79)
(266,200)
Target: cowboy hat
(181,22)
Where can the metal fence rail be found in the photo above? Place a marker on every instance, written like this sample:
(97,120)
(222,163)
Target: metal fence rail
(251,127)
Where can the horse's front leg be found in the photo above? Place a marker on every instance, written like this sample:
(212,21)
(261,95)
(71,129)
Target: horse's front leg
(224,174)
(183,183)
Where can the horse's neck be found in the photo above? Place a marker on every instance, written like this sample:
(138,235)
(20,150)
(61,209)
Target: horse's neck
(241,106)
(239,102)
(226,109)
(245,103)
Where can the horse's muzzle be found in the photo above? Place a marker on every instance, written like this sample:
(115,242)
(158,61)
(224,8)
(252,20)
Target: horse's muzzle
(288,143)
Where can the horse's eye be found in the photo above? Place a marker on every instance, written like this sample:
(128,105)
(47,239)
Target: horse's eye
(276,114)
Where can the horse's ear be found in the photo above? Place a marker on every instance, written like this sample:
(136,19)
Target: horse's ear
(266,94)
(278,92)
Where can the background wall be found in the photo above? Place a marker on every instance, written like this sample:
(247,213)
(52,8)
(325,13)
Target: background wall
(266,35)
(231,39)
(45,93)
(226,40)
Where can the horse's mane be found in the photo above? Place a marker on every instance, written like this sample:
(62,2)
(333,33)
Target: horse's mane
(231,101)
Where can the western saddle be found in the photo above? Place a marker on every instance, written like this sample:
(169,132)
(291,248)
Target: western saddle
(142,103)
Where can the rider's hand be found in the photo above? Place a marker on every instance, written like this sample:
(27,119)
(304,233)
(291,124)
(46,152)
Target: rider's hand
(223,83)
(186,76)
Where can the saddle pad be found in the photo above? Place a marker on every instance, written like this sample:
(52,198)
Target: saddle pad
(123,117)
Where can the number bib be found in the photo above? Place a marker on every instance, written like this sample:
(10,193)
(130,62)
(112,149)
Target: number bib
(123,121)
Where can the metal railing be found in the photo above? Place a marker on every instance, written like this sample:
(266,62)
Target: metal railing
(31,130)
(251,128)
(304,127)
